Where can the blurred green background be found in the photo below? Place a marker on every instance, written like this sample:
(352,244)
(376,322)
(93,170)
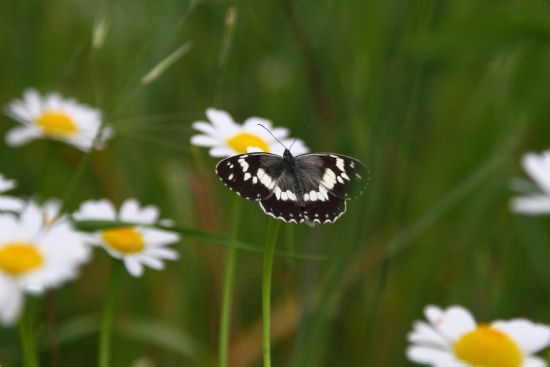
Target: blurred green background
(439,98)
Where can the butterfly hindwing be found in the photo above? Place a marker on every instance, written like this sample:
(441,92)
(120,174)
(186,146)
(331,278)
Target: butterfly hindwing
(252,176)
(326,211)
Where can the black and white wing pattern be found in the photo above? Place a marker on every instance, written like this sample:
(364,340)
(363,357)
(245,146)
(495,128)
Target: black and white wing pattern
(311,187)
(342,176)
(252,176)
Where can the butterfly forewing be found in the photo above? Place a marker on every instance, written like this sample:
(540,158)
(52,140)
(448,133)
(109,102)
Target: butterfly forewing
(252,176)
(339,175)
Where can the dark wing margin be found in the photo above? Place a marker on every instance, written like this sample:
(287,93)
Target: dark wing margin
(331,174)
(327,211)
(252,176)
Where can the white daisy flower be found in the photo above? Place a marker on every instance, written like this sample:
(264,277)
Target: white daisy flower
(137,246)
(535,201)
(226,138)
(452,338)
(35,256)
(9,203)
(54,117)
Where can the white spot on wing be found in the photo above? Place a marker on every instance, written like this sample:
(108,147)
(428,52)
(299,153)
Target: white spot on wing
(340,163)
(247,176)
(313,195)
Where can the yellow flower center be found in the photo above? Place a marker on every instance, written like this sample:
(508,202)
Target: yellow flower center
(17,258)
(126,240)
(242,141)
(488,347)
(56,123)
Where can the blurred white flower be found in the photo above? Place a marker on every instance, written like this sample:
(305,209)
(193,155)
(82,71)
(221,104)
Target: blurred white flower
(138,245)
(54,117)
(226,138)
(452,338)
(535,201)
(35,256)
(9,203)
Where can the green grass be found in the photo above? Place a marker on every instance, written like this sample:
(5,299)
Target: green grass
(440,99)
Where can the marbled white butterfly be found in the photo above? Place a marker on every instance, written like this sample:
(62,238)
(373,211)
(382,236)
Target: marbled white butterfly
(311,188)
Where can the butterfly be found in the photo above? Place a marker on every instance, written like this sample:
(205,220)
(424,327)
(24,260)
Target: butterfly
(311,187)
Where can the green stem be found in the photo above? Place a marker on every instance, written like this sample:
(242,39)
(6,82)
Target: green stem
(229,275)
(270,241)
(27,339)
(43,188)
(107,316)
(75,179)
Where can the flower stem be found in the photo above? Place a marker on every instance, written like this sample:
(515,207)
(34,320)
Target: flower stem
(107,316)
(229,275)
(269,252)
(27,339)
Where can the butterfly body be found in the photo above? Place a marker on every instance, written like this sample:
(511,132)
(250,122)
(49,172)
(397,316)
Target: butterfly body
(311,187)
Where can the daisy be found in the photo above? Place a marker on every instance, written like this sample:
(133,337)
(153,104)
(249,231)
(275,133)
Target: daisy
(35,256)
(452,338)
(537,200)
(137,245)
(54,117)
(226,138)
(8,203)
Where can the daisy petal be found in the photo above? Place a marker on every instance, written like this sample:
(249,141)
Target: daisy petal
(164,253)
(131,212)
(251,124)
(133,266)
(11,301)
(454,322)
(32,100)
(204,141)
(31,220)
(532,204)
(205,128)
(21,135)
(222,152)
(11,204)
(155,236)
(529,336)
(533,362)
(222,121)
(18,111)
(538,167)
(434,357)
(96,210)
(152,263)
(425,334)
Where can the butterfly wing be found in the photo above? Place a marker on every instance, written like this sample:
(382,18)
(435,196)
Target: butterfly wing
(252,176)
(330,174)
(326,211)
(316,189)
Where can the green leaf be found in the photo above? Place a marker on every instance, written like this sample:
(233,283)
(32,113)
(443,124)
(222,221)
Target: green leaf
(199,235)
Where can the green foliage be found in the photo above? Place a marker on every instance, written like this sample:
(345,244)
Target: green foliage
(438,98)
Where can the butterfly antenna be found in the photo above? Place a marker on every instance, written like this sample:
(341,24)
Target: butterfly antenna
(270,133)
(294,141)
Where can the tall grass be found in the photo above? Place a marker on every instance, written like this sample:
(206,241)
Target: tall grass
(438,98)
